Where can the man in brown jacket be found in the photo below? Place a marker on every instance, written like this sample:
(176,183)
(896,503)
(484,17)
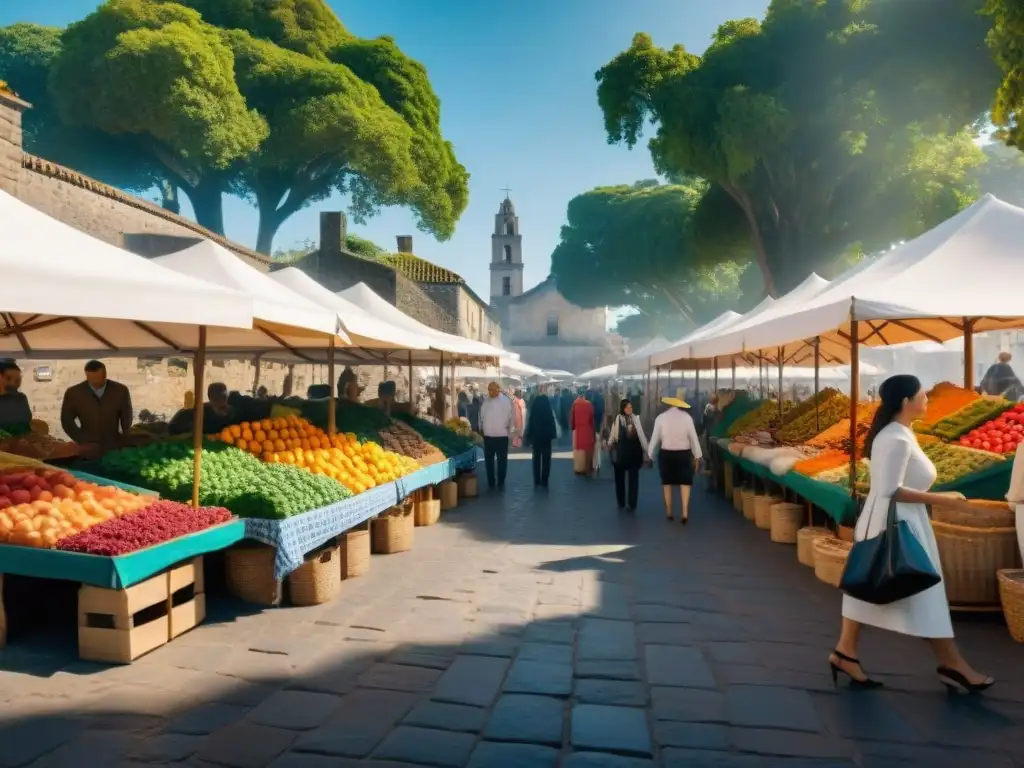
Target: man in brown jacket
(97,411)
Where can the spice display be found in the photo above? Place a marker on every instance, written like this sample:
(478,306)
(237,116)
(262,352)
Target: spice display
(970,416)
(799,409)
(822,462)
(830,411)
(1000,435)
(955,461)
(759,418)
(944,399)
(159,522)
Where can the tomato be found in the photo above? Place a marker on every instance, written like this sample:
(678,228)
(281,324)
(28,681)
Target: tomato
(986,444)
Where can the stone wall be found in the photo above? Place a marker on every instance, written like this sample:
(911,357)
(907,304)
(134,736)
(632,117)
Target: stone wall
(11,109)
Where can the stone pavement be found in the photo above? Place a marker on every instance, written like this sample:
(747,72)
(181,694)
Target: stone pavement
(529,629)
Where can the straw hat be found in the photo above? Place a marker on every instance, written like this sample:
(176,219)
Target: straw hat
(675,402)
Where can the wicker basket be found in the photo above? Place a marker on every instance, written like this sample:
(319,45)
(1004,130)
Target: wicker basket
(467,485)
(785,522)
(763,511)
(354,551)
(737,498)
(727,486)
(581,462)
(805,539)
(1011,593)
(830,559)
(970,558)
(316,581)
(392,532)
(448,493)
(250,573)
(427,511)
(985,514)
(749,497)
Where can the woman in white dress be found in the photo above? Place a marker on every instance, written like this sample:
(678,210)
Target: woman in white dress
(900,470)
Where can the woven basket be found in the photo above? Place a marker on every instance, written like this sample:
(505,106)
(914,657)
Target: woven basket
(250,573)
(985,514)
(427,511)
(448,493)
(749,497)
(786,518)
(763,511)
(392,532)
(805,539)
(581,462)
(354,551)
(970,558)
(728,481)
(316,581)
(737,498)
(467,485)
(830,559)
(1011,593)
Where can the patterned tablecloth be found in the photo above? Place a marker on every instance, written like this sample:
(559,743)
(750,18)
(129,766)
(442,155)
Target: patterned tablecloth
(296,536)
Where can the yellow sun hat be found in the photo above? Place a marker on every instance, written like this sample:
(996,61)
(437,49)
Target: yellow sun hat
(675,402)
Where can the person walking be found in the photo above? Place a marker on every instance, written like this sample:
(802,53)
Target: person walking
(540,431)
(674,440)
(496,419)
(1000,379)
(581,422)
(901,472)
(627,446)
(518,418)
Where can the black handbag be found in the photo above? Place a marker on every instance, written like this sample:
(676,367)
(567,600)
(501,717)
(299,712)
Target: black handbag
(889,567)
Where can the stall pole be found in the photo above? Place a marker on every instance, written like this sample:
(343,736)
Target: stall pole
(714,362)
(439,405)
(854,397)
(968,354)
(817,383)
(760,375)
(696,386)
(780,381)
(332,404)
(733,367)
(657,389)
(412,395)
(258,365)
(198,374)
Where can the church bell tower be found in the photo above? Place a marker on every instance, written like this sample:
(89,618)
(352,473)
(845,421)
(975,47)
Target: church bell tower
(506,256)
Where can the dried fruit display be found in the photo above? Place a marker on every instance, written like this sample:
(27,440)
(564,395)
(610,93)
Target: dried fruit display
(403,439)
(837,437)
(159,522)
(955,461)
(447,441)
(760,418)
(41,447)
(962,421)
(1000,435)
(829,412)
(944,399)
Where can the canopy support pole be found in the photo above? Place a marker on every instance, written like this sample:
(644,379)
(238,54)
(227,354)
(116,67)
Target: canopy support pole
(714,362)
(854,397)
(657,391)
(760,375)
(412,396)
(696,386)
(733,367)
(198,374)
(258,365)
(332,404)
(439,404)
(780,382)
(969,354)
(817,383)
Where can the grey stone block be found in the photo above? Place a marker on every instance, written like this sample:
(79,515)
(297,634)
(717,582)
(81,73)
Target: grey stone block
(295,710)
(425,746)
(756,706)
(688,705)
(472,680)
(539,677)
(533,719)
(624,693)
(610,729)
(447,717)
(677,666)
(491,754)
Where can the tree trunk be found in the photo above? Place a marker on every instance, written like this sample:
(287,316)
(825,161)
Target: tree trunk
(169,197)
(269,223)
(760,252)
(207,200)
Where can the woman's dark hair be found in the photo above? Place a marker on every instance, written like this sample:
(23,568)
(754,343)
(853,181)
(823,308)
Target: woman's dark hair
(893,392)
(622,406)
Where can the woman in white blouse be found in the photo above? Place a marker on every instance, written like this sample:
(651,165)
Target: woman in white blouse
(678,453)
(901,471)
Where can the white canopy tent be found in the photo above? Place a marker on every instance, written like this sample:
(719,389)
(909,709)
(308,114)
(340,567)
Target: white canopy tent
(284,319)
(600,374)
(67,294)
(967,267)
(640,361)
(680,350)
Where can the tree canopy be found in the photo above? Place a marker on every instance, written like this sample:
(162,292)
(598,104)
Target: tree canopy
(1005,41)
(827,127)
(631,245)
(275,102)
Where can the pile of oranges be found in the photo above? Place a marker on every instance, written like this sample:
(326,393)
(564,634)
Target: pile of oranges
(293,440)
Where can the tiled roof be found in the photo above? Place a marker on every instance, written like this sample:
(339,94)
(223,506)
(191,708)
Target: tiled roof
(61,173)
(420,270)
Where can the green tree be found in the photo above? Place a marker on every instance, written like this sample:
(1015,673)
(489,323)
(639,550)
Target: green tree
(1003,174)
(1005,41)
(828,126)
(156,72)
(632,245)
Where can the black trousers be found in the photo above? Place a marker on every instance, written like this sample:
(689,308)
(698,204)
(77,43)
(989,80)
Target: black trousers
(626,476)
(496,452)
(541,461)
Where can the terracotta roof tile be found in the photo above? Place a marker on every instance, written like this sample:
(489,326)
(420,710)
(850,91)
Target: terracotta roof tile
(421,270)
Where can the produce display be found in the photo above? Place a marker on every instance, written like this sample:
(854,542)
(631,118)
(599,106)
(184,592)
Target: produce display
(760,418)
(442,438)
(823,462)
(830,410)
(38,507)
(943,399)
(799,409)
(42,447)
(406,441)
(962,421)
(159,522)
(459,425)
(955,461)
(1000,435)
(231,478)
(350,417)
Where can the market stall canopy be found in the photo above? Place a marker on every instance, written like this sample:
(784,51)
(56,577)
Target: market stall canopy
(284,319)
(679,351)
(640,361)
(600,374)
(967,267)
(556,374)
(367,300)
(728,342)
(517,367)
(67,294)
(369,334)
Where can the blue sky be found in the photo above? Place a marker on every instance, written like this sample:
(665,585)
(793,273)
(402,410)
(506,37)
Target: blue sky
(518,95)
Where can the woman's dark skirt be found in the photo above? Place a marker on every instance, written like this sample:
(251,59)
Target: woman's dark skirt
(675,467)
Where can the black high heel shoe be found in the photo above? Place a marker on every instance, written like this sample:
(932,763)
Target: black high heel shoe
(955,682)
(864,685)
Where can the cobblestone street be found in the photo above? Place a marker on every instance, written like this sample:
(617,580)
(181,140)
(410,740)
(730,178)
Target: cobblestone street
(533,629)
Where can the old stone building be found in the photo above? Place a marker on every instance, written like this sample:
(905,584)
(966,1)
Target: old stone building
(540,324)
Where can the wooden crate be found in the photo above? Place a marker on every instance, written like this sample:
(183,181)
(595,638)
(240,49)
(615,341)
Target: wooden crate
(187,590)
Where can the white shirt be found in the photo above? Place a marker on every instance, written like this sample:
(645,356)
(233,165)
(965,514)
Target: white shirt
(674,431)
(496,416)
